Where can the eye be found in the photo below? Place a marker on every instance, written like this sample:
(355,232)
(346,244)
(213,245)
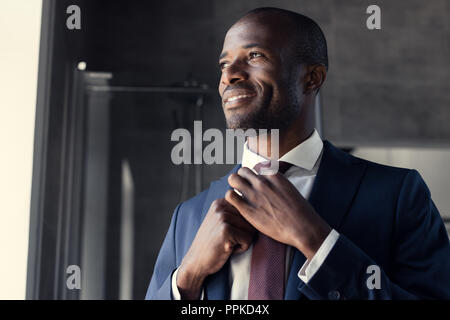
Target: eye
(223,65)
(255,54)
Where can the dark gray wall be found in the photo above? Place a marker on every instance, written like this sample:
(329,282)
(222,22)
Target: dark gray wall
(384,87)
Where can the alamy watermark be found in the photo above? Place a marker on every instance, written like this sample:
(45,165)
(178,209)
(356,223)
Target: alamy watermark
(374,280)
(374,20)
(74,279)
(222,148)
(73,21)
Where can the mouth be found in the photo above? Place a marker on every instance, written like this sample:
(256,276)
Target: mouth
(238,99)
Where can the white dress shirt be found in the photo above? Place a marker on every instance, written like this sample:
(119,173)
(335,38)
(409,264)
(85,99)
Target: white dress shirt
(305,159)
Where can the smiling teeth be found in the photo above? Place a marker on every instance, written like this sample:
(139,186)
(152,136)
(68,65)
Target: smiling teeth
(238,97)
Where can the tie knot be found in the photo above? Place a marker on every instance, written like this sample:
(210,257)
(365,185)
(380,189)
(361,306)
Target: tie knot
(271,167)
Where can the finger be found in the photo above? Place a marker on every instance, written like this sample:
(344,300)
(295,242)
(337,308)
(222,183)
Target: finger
(257,181)
(242,239)
(277,179)
(242,185)
(234,218)
(243,206)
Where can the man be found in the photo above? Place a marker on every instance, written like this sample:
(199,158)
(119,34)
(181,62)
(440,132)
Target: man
(331,227)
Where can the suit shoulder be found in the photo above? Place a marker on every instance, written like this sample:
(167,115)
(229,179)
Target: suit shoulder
(383,172)
(194,202)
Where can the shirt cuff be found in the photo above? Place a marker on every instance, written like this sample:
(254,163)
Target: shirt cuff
(310,267)
(175,293)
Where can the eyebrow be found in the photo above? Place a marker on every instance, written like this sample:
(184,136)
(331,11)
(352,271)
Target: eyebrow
(247,46)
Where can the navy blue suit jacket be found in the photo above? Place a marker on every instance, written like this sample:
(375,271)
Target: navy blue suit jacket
(385,217)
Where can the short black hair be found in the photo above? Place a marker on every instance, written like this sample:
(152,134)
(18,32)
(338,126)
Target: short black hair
(310,42)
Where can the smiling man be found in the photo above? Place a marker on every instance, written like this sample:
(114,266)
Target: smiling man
(327,225)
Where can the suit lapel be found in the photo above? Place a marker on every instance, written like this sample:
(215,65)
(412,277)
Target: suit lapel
(217,285)
(335,186)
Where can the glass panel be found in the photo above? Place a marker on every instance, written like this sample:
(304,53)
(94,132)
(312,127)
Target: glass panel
(131,184)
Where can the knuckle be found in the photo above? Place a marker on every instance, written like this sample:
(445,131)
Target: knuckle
(221,216)
(229,195)
(245,245)
(245,169)
(217,204)
(261,183)
(228,246)
(214,204)
(232,177)
(226,229)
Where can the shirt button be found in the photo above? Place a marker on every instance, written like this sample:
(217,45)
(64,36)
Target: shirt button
(334,295)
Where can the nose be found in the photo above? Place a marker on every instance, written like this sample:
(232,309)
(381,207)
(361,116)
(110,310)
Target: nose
(233,74)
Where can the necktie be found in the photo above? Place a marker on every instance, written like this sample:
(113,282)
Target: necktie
(267,266)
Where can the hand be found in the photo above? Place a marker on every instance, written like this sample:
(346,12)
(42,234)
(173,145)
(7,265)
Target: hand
(275,207)
(222,232)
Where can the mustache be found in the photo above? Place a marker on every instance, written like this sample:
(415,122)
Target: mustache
(240,86)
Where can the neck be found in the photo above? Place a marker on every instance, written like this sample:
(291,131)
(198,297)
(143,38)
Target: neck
(289,139)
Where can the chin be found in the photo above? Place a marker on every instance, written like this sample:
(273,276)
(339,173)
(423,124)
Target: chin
(237,119)
(241,122)
(244,117)
(234,123)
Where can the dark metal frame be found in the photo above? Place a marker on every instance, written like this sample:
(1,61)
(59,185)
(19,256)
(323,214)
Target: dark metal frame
(57,161)
(40,147)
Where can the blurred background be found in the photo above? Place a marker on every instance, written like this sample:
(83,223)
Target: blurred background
(87,114)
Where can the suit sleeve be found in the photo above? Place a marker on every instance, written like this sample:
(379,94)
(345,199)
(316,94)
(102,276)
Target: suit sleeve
(160,287)
(420,259)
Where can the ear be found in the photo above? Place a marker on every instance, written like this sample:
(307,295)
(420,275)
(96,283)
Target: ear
(314,78)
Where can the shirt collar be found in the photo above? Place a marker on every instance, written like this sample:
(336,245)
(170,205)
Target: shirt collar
(305,155)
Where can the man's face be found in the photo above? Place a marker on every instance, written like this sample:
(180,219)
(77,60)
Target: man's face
(260,85)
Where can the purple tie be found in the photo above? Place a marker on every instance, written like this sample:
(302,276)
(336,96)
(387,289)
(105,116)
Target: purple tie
(268,260)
